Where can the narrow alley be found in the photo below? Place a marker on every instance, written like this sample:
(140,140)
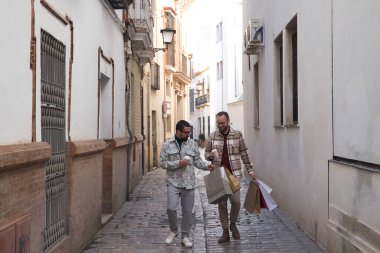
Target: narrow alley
(141,225)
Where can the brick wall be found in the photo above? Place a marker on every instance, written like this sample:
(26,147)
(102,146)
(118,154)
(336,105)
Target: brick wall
(119,191)
(85,160)
(114,174)
(22,190)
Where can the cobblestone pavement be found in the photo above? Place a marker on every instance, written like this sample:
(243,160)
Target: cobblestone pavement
(141,225)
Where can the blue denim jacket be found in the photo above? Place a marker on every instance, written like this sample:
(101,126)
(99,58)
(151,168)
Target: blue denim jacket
(171,154)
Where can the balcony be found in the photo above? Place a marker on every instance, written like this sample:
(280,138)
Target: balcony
(140,34)
(202,100)
(180,75)
(120,4)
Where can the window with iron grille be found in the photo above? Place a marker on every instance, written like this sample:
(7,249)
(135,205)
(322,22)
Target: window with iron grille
(155,77)
(53,123)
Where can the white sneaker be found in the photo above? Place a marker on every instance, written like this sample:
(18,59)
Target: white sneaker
(187,243)
(171,237)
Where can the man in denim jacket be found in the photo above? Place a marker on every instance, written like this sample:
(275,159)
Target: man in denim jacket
(230,147)
(178,157)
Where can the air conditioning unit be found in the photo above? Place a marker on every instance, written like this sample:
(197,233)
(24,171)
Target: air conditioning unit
(253,36)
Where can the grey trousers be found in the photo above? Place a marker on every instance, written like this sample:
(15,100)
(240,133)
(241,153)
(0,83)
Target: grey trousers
(187,203)
(235,208)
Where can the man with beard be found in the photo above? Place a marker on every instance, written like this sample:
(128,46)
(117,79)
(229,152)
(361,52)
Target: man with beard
(230,147)
(178,157)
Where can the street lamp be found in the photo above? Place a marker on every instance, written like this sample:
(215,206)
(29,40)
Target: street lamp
(167,37)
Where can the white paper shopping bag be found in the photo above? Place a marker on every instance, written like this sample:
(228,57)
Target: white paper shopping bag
(217,185)
(269,201)
(267,187)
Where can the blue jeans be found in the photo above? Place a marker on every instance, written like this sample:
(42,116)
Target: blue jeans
(187,203)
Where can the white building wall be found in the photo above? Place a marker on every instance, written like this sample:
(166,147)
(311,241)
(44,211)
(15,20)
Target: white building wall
(89,34)
(356,103)
(354,192)
(15,86)
(293,160)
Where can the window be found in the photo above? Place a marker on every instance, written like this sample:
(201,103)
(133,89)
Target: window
(291,68)
(168,88)
(191,98)
(155,76)
(279,86)
(219,70)
(219,32)
(295,78)
(256,102)
(142,4)
(170,55)
(286,77)
(53,131)
(203,125)
(199,124)
(168,123)
(208,125)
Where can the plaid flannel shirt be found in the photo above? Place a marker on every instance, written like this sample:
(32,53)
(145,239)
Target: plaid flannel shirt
(236,151)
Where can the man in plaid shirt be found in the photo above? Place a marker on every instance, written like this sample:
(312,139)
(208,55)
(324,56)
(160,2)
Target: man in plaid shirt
(230,147)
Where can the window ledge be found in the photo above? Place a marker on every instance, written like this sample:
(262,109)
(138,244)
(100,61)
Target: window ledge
(357,164)
(279,126)
(292,126)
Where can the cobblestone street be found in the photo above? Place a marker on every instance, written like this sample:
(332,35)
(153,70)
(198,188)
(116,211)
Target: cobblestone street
(141,225)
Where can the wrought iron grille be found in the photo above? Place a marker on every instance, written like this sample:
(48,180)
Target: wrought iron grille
(53,132)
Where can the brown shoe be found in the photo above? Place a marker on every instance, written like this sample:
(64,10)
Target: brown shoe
(225,236)
(234,231)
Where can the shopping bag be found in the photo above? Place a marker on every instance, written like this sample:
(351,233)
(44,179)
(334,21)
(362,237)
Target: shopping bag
(252,199)
(266,199)
(217,185)
(234,182)
(267,187)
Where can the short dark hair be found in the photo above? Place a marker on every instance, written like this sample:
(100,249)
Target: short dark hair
(181,125)
(223,113)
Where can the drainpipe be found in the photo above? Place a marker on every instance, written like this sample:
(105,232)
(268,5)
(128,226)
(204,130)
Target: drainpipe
(33,68)
(70,74)
(127,118)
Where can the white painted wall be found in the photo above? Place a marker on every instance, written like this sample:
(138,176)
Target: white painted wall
(16,76)
(294,161)
(93,28)
(354,192)
(356,100)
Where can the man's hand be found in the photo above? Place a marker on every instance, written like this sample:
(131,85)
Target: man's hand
(211,167)
(253,176)
(213,154)
(183,163)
